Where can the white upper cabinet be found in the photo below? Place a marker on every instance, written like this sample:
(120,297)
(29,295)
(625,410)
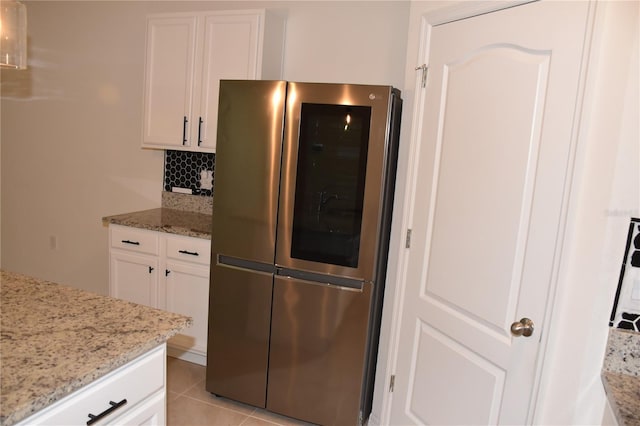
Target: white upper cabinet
(170,81)
(187,55)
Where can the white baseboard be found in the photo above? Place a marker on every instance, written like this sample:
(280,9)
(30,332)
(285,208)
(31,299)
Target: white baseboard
(187,355)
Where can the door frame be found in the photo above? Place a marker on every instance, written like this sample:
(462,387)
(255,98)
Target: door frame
(404,209)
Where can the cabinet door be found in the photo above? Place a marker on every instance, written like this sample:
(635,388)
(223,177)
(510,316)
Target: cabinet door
(150,413)
(232,50)
(169,79)
(186,291)
(134,277)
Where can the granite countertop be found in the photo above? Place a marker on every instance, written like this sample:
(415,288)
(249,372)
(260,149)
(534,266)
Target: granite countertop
(56,339)
(163,219)
(621,375)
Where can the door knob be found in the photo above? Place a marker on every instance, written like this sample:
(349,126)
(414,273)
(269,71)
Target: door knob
(524,327)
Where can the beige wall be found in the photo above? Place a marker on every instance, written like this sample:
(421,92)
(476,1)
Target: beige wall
(71,123)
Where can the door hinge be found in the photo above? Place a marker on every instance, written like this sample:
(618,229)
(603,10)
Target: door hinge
(392,382)
(424,69)
(407,241)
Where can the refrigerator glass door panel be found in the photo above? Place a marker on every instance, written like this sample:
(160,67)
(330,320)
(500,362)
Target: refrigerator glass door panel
(239,311)
(334,149)
(316,361)
(247,172)
(329,193)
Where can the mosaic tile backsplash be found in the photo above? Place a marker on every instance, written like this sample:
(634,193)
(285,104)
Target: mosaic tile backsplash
(184,170)
(626,306)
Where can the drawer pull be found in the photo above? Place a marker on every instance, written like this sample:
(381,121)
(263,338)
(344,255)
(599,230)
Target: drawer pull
(190,253)
(134,243)
(114,407)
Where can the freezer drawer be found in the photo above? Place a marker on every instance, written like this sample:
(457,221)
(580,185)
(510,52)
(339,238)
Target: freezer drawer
(239,315)
(318,345)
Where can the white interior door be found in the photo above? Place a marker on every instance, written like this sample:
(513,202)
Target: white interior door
(494,137)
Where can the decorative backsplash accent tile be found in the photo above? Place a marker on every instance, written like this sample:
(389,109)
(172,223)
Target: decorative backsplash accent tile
(189,170)
(629,321)
(626,305)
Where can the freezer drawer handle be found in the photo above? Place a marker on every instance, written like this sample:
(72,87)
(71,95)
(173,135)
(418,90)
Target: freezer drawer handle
(190,253)
(114,407)
(321,279)
(249,265)
(134,243)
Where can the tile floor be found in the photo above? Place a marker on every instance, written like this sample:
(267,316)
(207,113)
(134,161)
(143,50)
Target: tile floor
(189,404)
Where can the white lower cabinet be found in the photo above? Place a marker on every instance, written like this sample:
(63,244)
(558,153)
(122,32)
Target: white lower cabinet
(186,291)
(173,277)
(134,277)
(150,413)
(132,394)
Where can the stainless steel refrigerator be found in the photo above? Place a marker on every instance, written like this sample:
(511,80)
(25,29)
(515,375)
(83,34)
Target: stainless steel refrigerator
(302,203)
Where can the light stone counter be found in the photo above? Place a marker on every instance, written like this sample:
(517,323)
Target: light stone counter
(181,214)
(621,375)
(180,222)
(56,339)
(192,203)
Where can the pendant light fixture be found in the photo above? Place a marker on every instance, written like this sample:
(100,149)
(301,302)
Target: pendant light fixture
(13,34)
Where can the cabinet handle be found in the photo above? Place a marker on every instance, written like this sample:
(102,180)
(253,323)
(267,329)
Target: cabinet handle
(114,407)
(190,253)
(199,131)
(134,243)
(150,269)
(184,130)
(166,272)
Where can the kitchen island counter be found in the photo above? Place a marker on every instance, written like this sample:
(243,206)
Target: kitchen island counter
(57,339)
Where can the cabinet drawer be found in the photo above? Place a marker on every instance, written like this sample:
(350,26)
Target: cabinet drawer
(133,239)
(188,249)
(133,382)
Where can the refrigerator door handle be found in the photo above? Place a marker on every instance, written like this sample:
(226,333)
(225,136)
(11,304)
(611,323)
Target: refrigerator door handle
(250,265)
(341,283)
